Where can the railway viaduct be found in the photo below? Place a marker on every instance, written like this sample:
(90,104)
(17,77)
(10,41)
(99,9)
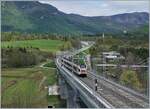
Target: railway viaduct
(80,92)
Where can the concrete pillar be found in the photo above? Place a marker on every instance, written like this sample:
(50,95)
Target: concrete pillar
(69,93)
(62,88)
(73,100)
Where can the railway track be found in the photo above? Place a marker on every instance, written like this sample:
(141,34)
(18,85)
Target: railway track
(138,95)
(106,94)
(116,96)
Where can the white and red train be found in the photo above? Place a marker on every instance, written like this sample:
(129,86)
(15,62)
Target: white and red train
(80,70)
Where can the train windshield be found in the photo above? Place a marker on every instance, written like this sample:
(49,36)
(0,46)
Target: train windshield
(83,66)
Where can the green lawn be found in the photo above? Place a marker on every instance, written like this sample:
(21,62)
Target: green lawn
(44,45)
(21,87)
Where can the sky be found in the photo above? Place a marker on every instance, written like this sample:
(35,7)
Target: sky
(99,7)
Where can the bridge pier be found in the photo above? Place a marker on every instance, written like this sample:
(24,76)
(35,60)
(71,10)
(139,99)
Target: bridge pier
(69,93)
(72,98)
(62,87)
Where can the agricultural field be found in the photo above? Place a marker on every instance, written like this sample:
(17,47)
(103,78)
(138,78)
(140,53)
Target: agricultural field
(28,87)
(42,44)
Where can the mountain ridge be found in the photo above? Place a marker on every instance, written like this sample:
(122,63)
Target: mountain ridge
(36,17)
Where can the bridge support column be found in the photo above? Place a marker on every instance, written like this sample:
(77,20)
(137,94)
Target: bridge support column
(62,88)
(73,100)
(69,93)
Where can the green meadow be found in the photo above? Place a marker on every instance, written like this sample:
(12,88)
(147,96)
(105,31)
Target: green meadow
(42,44)
(26,87)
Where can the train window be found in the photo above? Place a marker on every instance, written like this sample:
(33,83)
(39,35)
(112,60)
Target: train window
(82,66)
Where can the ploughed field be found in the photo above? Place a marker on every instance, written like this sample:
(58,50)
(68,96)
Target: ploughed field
(42,44)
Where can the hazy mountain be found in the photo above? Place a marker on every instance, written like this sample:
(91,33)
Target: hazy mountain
(32,16)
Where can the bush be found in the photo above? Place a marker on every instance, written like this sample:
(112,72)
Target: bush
(130,78)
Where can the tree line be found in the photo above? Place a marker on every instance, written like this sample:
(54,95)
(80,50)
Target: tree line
(23,57)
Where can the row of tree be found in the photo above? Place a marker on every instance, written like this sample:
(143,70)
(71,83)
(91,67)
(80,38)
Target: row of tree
(22,57)
(137,49)
(11,36)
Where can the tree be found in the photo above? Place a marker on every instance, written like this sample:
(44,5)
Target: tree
(93,51)
(114,47)
(67,45)
(75,43)
(130,78)
(130,59)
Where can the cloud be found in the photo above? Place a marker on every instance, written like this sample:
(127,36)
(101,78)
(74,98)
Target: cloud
(100,7)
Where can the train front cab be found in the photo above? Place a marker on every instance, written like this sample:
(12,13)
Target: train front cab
(83,71)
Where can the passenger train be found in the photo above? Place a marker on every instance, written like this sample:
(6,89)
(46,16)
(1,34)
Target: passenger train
(80,70)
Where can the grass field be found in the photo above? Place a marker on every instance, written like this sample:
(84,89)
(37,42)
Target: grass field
(27,87)
(50,64)
(42,44)
(21,87)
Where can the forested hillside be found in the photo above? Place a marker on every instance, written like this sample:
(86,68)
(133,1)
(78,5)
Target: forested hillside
(32,16)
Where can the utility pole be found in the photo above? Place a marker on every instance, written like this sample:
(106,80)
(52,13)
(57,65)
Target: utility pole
(95,84)
(95,79)
(103,68)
